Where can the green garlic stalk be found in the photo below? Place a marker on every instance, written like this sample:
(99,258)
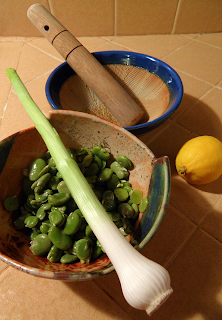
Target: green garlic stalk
(145,284)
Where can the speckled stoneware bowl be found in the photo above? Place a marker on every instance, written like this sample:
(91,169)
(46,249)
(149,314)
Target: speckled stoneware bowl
(151,175)
(152,83)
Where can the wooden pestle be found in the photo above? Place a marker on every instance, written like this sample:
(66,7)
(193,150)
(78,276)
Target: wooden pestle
(108,90)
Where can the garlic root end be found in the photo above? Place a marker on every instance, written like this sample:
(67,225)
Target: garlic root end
(159,301)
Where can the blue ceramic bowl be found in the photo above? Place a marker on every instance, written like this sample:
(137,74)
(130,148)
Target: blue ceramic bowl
(20,149)
(162,98)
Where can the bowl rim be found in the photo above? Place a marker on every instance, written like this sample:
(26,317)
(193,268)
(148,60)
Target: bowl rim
(139,60)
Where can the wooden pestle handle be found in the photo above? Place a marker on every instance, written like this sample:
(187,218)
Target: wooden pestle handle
(108,90)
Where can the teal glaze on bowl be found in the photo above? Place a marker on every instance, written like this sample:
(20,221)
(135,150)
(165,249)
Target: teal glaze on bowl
(150,174)
(63,73)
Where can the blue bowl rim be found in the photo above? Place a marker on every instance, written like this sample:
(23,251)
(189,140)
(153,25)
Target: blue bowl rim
(139,57)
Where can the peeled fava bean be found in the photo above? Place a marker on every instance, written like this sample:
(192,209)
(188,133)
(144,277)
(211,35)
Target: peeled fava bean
(58,199)
(59,239)
(73,223)
(35,168)
(41,244)
(54,254)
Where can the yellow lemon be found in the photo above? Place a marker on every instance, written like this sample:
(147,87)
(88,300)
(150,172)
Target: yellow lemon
(199,161)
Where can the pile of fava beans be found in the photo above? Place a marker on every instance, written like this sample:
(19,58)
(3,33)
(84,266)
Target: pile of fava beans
(57,228)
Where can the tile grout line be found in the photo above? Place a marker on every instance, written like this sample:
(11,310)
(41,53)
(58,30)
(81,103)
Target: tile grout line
(198,227)
(206,43)
(175,18)
(4,270)
(16,67)
(48,54)
(111,297)
(115,17)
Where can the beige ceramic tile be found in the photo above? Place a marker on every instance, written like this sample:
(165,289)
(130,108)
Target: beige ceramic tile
(193,90)
(151,135)
(85,18)
(9,57)
(92,43)
(14,20)
(172,235)
(36,88)
(205,117)
(45,46)
(219,85)
(194,202)
(156,46)
(109,46)
(199,60)
(214,39)
(15,117)
(33,63)
(213,222)
(144,17)
(196,280)
(198,16)
(3,266)
(40,299)
(190,35)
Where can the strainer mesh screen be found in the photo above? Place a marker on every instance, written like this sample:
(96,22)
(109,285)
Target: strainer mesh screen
(148,90)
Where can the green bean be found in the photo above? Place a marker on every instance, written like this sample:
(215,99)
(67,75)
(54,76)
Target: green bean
(19,223)
(127,226)
(109,200)
(34,234)
(82,249)
(105,175)
(124,161)
(89,232)
(11,203)
(56,218)
(93,169)
(121,194)
(54,254)
(62,187)
(143,204)
(136,196)
(58,199)
(73,223)
(72,153)
(53,182)
(113,182)
(39,185)
(101,153)
(59,239)
(126,210)
(31,221)
(68,258)
(43,197)
(41,244)
(35,168)
(97,252)
(119,170)
(45,226)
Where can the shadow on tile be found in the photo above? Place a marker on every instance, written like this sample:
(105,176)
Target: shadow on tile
(95,300)
(201,118)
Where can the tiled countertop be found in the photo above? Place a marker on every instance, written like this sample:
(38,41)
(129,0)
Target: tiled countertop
(189,241)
